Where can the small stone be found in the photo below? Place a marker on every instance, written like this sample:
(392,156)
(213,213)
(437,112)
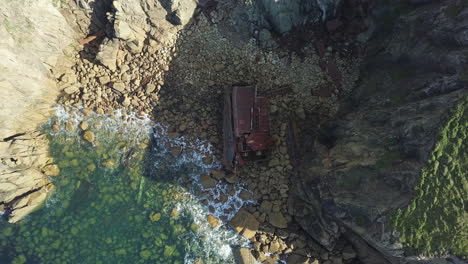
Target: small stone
(104,79)
(126,101)
(150,88)
(213,221)
(51,170)
(88,136)
(99,111)
(266,206)
(119,86)
(83,125)
(174,213)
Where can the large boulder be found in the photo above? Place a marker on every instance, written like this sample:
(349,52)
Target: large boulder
(245,224)
(134,21)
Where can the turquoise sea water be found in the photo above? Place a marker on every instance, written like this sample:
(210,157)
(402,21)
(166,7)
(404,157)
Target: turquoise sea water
(126,198)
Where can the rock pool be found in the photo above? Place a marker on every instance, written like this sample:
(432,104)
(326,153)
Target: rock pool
(126,197)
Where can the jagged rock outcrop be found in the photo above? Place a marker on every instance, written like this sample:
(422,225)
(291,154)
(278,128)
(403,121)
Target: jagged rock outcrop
(368,161)
(33,35)
(282,16)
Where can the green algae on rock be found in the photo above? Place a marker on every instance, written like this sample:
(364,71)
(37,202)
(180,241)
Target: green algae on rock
(435,222)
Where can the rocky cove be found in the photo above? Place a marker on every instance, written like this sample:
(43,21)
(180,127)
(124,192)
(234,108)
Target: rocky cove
(367,110)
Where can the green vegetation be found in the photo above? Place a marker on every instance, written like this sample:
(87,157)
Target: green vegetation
(436,221)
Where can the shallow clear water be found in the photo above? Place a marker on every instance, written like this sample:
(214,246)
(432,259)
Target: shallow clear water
(124,199)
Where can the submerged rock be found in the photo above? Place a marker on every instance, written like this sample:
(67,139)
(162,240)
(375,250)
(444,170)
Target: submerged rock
(213,221)
(155,217)
(88,136)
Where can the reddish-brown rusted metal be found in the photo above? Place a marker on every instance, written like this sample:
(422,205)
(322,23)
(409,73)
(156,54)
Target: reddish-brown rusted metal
(246,127)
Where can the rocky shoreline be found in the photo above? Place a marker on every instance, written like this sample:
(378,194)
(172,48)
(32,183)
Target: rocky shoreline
(181,84)
(176,70)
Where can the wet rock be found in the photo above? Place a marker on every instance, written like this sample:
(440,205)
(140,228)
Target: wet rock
(245,224)
(51,170)
(88,136)
(277,220)
(213,221)
(207,182)
(243,256)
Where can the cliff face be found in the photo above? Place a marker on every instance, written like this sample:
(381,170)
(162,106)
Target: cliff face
(32,37)
(367,162)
